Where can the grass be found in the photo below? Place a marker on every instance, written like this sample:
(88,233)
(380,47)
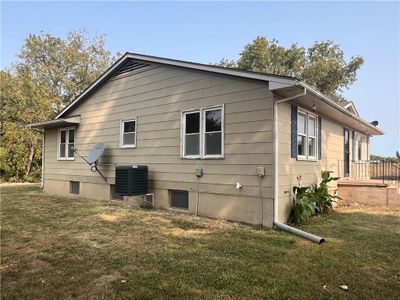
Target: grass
(59,248)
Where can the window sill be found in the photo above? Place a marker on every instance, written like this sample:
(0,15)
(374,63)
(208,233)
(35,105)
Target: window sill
(128,147)
(307,159)
(204,158)
(71,158)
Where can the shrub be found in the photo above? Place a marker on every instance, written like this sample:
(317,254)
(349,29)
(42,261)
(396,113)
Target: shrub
(320,195)
(311,200)
(303,207)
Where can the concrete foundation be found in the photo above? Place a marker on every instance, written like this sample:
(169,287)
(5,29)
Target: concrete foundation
(237,208)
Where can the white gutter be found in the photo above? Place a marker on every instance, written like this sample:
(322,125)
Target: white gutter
(309,236)
(338,107)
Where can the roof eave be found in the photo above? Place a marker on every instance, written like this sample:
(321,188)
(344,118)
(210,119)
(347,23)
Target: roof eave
(178,63)
(332,103)
(275,82)
(56,123)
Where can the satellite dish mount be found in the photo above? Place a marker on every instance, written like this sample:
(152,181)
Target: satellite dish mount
(93,158)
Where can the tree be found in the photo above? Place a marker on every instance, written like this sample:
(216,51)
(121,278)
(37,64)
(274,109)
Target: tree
(65,67)
(20,104)
(49,74)
(322,66)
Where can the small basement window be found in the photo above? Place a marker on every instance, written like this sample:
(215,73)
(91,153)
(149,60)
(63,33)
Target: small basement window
(179,199)
(114,195)
(74,187)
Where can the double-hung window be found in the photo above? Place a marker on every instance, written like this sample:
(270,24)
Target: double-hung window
(359,147)
(203,133)
(128,134)
(66,143)
(306,136)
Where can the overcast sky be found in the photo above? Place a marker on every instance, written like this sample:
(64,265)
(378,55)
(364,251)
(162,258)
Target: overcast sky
(206,32)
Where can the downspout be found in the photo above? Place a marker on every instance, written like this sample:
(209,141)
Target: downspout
(43,157)
(43,143)
(277,224)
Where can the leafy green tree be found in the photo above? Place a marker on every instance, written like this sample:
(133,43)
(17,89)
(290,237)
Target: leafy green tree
(49,74)
(65,67)
(322,66)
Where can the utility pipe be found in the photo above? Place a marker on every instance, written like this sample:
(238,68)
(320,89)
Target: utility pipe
(43,158)
(279,225)
(42,132)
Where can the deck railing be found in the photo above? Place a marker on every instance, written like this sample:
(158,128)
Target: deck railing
(387,171)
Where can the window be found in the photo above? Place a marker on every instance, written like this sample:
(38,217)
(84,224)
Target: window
(74,187)
(203,133)
(192,134)
(128,134)
(179,199)
(312,136)
(213,132)
(306,136)
(359,147)
(66,143)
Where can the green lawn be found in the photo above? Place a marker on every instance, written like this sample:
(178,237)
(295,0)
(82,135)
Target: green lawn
(57,248)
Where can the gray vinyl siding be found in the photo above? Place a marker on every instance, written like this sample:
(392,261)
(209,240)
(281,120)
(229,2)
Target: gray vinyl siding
(156,98)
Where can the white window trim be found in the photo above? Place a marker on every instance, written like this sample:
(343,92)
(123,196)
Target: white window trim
(66,144)
(202,111)
(306,156)
(360,140)
(203,134)
(183,134)
(121,134)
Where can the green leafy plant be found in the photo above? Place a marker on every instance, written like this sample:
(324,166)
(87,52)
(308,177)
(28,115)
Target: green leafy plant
(320,195)
(303,207)
(312,200)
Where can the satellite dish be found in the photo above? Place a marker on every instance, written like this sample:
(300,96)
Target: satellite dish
(95,153)
(375,123)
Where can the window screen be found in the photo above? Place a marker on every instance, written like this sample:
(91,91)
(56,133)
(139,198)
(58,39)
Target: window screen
(213,132)
(128,133)
(66,143)
(179,199)
(63,134)
(71,142)
(306,135)
(192,134)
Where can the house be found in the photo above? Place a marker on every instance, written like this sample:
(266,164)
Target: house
(251,133)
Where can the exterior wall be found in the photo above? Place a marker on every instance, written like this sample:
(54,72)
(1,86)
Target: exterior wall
(156,98)
(289,168)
